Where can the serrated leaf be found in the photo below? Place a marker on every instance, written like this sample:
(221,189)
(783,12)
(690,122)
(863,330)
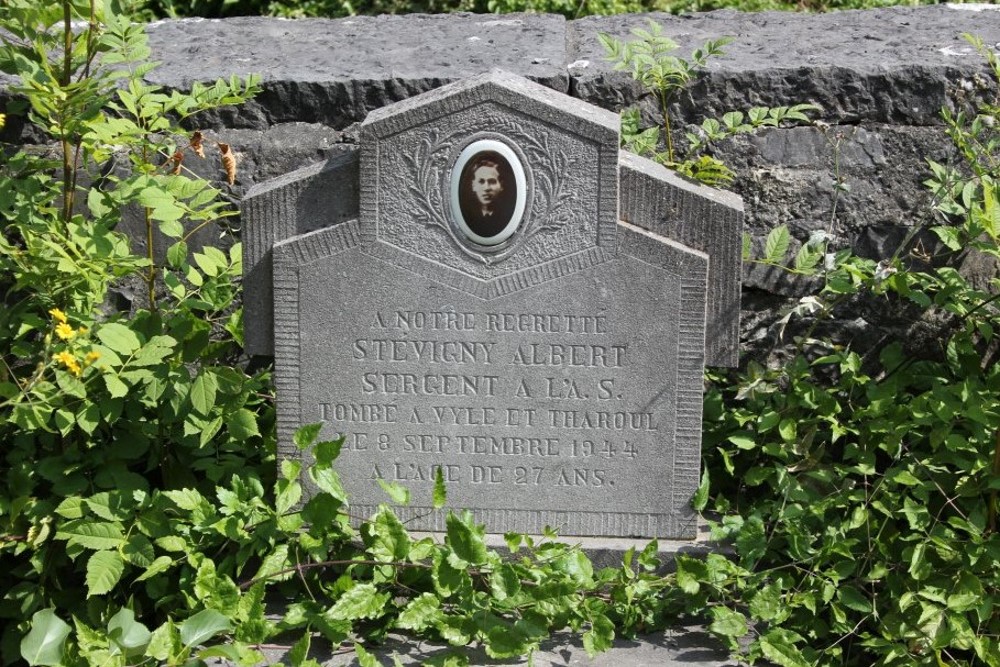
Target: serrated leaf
(776,245)
(389,540)
(242,424)
(118,338)
(186,499)
(203,626)
(116,388)
(104,570)
(203,392)
(365,659)
(362,601)
(305,435)
(421,613)
(776,648)
(89,534)
(177,254)
(440,494)
(138,551)
(161,564)
(700,499)
(397,492)
(466,539)
(44,644)
(600,636)
(727,623)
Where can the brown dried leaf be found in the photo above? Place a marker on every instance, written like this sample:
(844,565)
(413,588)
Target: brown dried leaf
(176,159)
(196,144)
(228,162)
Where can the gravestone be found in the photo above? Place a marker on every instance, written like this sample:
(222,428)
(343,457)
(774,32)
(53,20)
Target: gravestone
(488,288)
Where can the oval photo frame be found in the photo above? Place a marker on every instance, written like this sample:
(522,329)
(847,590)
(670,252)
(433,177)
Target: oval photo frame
(488,192)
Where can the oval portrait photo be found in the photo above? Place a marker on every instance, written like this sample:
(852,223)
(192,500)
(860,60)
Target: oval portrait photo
(487,192)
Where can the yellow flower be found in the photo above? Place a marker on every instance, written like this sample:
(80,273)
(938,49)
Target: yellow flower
(65,331)
(92,356)
(82,330)
(69,361)
(3,119)
(58,315)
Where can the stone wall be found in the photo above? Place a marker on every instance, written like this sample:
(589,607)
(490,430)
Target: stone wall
(880,76)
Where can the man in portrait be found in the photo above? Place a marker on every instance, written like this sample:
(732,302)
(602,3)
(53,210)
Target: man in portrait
(487,194)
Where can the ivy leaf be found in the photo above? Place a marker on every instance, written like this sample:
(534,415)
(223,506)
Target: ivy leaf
(362,601)
(44,644)
(203,626)
(104,569)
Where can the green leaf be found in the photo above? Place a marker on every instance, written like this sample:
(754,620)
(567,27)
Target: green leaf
(600,636)
(727,623)
(399,493)
(776,245)
(44,644)
(177,254)
(104,569)
(115,386)
(118,338)
(365,659)
(203,626)
(328,481)
(465,539)
(440,495)
(362,601)
(126,634)
(203,392)
(300,650)
(305,435)
(92,534)
(138,551)
(388,539)
(700,499)
(242,424)
(777,647)
(421,613)
(161,564)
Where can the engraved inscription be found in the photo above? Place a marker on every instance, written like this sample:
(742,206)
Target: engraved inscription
(512,388)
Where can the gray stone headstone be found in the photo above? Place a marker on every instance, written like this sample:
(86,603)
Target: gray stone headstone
(490,313)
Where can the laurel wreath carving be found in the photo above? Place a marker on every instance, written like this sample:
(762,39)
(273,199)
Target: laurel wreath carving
(552,193)
(427,162)
(552,197)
